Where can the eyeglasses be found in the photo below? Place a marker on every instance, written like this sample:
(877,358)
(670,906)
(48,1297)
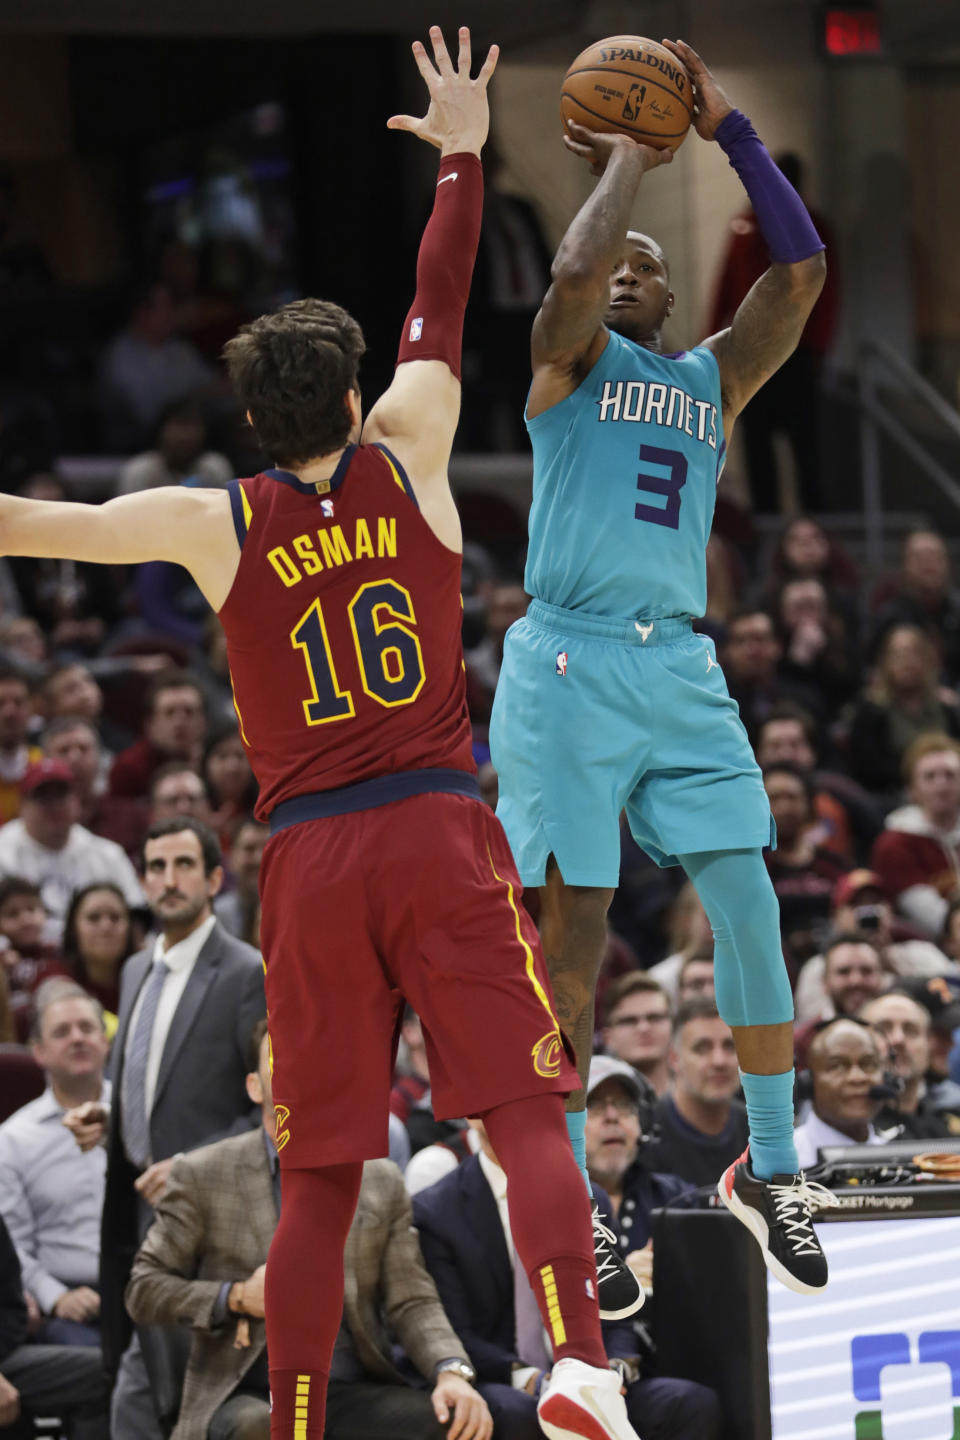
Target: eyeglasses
(630,1021)
(621,1103)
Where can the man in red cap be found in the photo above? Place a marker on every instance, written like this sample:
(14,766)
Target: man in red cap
(49,846)
(859,903)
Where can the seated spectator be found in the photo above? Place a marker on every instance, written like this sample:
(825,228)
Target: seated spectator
(178,788)
(23,643)
(636,1026)
(146,368)
(853,973)
(903,1027)
(751,658)
(691,938)
(230,784)
(16,751)
(918,854)
(72,690)
(940,998)
(113,817)
(859,905)
(803,873)
(507,602)
(814,640)
(620,1147)
(903,702)
(238,910)
(925,596)
(47,845)
(98,936)
(51,1192)
(73,601)
(40,1380)
(845,1064)
(203,1262)
(696,979)
(26,957)
(179,452)
(700,1128)
(173,730)
(464,1227)
(806,552)
(847,818)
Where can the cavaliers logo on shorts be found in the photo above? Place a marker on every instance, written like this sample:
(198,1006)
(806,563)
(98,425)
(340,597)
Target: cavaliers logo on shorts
(547,1054)
(283,1134)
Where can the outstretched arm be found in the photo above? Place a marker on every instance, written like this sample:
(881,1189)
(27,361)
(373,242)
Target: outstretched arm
(418,414)
(190,527)
(768,324)
(568,333)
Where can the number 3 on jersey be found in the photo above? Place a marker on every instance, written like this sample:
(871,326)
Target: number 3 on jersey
(388,652)
(667,485)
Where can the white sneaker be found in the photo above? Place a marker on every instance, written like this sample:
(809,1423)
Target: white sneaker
(580,1402)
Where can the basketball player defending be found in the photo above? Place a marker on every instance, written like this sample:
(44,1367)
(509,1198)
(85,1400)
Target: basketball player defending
(607,699)
(336,576)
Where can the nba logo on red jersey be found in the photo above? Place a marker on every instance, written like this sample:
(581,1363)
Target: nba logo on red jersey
(561,662)
(327,507)
(416,328)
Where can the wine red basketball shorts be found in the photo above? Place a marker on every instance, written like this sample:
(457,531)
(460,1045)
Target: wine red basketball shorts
(414,900)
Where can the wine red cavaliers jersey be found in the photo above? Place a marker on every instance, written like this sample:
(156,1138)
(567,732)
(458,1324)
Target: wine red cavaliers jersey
(343,633)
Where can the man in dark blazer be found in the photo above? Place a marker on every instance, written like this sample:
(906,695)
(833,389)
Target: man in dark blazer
(188,1004)
(202,1265)
(464,1235)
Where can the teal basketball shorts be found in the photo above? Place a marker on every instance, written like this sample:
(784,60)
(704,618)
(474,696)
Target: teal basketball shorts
(595,717)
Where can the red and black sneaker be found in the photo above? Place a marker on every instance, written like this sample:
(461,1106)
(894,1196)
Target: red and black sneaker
(778,1213)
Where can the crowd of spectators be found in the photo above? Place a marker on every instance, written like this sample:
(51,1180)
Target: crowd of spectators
(124,781)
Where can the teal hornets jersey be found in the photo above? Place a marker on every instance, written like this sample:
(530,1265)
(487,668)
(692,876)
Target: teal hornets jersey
(625,474)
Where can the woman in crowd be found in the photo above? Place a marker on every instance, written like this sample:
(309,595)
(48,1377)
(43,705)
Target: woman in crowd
(903,700)
(814,636)
(99,935)
(233,790)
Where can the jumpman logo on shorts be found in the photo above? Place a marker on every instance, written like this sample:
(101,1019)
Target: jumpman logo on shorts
(645,630)
(712,664)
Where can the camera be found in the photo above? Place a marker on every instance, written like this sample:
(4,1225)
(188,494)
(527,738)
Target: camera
(868,917)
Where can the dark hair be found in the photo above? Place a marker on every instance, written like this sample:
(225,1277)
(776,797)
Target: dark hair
(175,767)
(70,944)
(747,612)
(176,825)
(253,1045)
(698,1008)
(783,767)
(10,672)
(635,982)
(177,410)
(174,680)
(12,886)
(291,370)
(790,710)
(850,937)
(60,724)
(227,731)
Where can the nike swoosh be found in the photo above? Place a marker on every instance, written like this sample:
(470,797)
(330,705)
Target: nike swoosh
(452,176)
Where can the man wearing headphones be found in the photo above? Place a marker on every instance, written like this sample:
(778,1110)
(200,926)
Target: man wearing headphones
(845,1072)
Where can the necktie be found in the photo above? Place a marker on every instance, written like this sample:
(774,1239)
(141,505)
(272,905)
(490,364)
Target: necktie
(134,1120)
(531,1346)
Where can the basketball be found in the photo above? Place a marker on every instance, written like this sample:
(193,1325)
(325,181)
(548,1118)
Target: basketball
(632,86)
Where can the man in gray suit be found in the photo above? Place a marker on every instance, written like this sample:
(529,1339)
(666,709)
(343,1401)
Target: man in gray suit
(187,1006)
(202,1265)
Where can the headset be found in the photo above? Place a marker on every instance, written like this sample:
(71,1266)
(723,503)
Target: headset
(890,1087)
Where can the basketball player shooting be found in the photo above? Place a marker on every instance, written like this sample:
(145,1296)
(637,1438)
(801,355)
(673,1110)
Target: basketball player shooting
(336,575)
(608,701)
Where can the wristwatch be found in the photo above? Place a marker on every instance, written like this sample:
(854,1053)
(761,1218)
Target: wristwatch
(458,1367)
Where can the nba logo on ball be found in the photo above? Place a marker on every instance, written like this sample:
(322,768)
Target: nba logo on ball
(416,328)
(561,662)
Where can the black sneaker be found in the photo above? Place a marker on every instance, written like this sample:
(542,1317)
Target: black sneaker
(777,1212)
(619,1292)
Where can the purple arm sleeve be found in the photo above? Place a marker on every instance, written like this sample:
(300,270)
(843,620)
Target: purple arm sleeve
(781,215)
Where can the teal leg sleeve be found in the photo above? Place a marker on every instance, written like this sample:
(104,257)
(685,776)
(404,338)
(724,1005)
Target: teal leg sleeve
(576,1128)
(750,975)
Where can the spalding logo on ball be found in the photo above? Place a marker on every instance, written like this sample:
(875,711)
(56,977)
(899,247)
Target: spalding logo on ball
(629,85)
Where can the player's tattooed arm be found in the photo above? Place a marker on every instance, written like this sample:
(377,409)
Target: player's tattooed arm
(568,333)
(765,330)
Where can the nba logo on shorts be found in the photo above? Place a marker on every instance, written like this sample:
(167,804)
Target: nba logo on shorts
(416,328)
(561,662)
(327,507)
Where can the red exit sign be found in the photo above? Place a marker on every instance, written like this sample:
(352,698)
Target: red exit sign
(851,31)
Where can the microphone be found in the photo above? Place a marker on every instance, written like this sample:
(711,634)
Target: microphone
(891,1087)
